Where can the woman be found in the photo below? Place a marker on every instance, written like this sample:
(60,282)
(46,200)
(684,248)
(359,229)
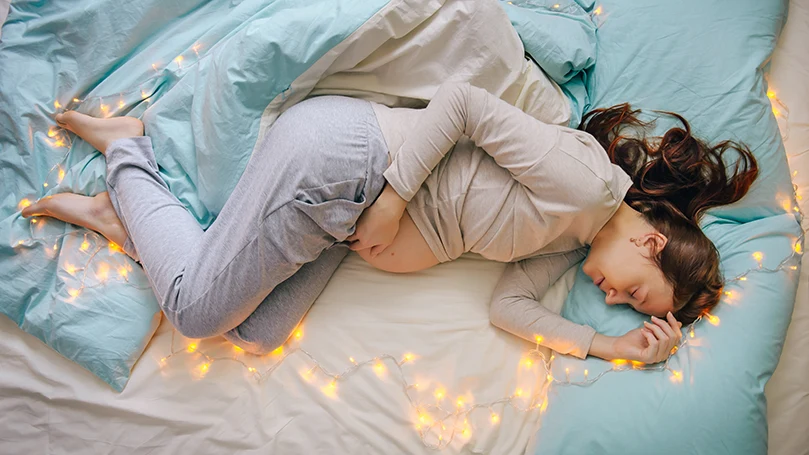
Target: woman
(513,188)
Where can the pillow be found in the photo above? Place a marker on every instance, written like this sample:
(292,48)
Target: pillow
(705,61)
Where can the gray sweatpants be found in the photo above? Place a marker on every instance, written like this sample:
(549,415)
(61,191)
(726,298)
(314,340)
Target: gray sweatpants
(318,167)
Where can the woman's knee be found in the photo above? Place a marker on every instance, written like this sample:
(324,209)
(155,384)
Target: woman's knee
(256,342)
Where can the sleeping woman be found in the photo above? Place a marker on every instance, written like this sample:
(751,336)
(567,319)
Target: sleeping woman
(408,189)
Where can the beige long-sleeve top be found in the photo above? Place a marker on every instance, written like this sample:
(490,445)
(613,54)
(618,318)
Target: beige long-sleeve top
(482,176)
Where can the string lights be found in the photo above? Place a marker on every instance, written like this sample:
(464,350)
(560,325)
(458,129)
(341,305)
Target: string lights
(438,419)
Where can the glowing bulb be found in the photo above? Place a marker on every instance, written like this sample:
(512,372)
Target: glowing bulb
(23,204)
(713,319)
(84,245)
(61,174)
(278,351)
(73,292)
(776,112)
(528,363)
(179,59)
(798,248)
(379,368)
(495,418)
(539,339)
(585,374)
(459,402)
(105,108)
(729,294)
(298,334)
(251,369)
(192,347)
(34,220)
(676,376)
(758,256)
(196,48)
(770,94)
(351,359)
(237,349)
(70,268)
(549,378)
(122,272)
(518,392)
(154,66)
(20,242)
(143,94)
(121,104)
(45,185)
(423,418)
(597,11)
(439,394)
(163,360)
(408,357)
(55,247)
(619,362)
(786,204)
(691,332)
(114,248)
(51,132)
(556,6)
(636,364)
(57,105)
(204,367)
(103,271)
(744,278)
(466,433)
(76,100)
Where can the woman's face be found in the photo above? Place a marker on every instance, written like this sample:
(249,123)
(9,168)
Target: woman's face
(624,270)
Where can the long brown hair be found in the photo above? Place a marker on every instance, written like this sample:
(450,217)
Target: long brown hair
(675,179)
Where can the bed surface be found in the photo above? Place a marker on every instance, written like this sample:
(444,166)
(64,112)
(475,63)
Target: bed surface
(205,398)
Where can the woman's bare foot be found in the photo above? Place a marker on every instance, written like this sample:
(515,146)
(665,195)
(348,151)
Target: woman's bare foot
(100,132)
(95,213)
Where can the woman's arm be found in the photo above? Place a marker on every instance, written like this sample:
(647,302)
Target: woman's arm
(515,308)
(515,304)
(515,140)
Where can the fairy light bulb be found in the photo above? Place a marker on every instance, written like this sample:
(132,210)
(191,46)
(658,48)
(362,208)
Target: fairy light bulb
(466,433)
(33,220)
(73,292)
(298,334)
(351,359)
(379,368)
(105,109)
(439,394)
(770,94)
(539,339)
(61,174)
(713,319)
(70,269)
(192,347)
(144,94)
(598,11)
(459,403)
(585,375)
(23,204)
(237,349)
(251,369)
(84,245)
(408,357)
(51,132)
(494,418)
(278,351)
(121,104)
(676,376)
(528,363)
(57,105)
(758,256)
(744,278)
(518,392)
(76,100)
(798,249)
(122,272)
(549,378)
(204,367)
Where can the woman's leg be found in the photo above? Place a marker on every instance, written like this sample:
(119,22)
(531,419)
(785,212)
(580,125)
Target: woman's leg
(276,317)
(303,190)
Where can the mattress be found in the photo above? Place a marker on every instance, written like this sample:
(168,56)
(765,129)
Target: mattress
(395,344)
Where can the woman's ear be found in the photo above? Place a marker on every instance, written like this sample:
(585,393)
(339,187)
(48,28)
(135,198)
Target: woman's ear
(655,242)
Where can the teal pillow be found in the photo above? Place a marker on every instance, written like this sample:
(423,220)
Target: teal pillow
(704,60)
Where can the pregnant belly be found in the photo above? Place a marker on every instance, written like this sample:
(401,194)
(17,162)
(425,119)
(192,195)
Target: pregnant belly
(409,251)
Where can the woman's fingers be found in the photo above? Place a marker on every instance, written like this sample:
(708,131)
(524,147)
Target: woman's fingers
(675,324)
(376,250)
(664,325)
(658,332)
(650,351)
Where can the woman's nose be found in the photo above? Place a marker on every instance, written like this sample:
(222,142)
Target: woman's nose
(612,297)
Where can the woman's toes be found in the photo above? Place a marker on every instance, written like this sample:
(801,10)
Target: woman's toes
(37,208)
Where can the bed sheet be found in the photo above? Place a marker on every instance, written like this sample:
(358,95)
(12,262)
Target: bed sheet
(788,390)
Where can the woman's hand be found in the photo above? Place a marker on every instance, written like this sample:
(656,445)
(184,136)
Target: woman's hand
(379,223)
(651,343)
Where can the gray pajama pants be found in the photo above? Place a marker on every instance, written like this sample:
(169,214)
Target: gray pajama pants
(256,271)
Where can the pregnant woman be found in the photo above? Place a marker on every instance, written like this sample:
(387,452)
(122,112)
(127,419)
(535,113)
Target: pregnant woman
(411,188)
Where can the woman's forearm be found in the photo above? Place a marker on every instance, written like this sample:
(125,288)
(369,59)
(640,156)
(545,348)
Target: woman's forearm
(603,347)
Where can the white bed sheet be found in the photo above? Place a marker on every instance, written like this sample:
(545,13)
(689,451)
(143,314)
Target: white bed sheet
(788,390)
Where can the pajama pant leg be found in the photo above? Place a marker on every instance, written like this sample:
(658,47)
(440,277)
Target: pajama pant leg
(303,190)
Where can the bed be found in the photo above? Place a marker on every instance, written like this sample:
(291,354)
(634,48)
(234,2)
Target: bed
(375,360)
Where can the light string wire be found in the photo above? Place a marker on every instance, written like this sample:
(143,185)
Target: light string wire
(432,418)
